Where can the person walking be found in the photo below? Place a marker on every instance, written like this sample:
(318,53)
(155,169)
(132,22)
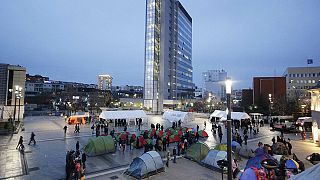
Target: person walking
(205,125)
(65,129)
(197,127)
(168,158)
(220,136)
(174,154)
(20,143)
(32,139)
(84,159)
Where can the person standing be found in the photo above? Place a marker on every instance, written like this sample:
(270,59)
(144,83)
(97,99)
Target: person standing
(123,146)
(289,146)
(168,158)
(273,140)
(205,124)
(220,136)
(245,139)
(106,130)
(174,154)
(84,159)
(32,139)
(92,127)
(77,146)
(197,127)
(179,148)
(20,143)
(164,144)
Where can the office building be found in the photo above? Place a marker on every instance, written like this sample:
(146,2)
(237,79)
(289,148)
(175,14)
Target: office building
(168,54)
(104,82)
(214,83)
(269,92)
(299,80)
(12,83)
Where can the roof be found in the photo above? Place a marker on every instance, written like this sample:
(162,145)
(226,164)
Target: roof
(175,116)
(234,115)
(129,114)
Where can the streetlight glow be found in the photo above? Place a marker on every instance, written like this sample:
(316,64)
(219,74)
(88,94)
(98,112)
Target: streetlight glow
(228,86)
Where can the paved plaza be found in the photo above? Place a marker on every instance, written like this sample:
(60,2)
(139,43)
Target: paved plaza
(46,160)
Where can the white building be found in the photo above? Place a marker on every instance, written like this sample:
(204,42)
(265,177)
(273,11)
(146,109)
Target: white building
(315,112)
(214,82)
(300,79)
(104,82)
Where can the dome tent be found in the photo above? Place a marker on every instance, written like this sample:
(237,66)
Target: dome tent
(214,156)
(99,145)
(147,164)
(211,160)
(197,151)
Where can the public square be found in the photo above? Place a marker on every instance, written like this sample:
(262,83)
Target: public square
(47,159)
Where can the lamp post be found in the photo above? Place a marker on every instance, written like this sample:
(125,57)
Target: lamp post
(19,96)
(270,104)
(229,150)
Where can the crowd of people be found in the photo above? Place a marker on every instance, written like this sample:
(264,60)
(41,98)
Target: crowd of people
(75,164)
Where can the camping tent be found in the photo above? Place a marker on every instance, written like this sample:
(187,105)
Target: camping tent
(310,173)
(236,116)
(147,164)
(222,115)
(175,116)
(99,145)
(214,156)
(128,114)
(197,151)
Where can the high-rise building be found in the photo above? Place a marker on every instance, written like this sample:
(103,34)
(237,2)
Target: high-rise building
(168,68)
(12,89)
(104,82)
(214,82)
(300,79)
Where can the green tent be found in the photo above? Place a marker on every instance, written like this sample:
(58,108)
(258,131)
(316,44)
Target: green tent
(197,151)
(99,145)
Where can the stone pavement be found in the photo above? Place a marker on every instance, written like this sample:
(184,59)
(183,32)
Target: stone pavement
(46,160)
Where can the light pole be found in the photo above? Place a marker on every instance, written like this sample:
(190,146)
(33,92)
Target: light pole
(229,150)
(19,96)
(270,104)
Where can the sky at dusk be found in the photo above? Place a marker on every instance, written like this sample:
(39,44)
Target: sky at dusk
(75,40)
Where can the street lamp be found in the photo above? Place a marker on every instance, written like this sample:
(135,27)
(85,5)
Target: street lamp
(270,103)
(229,150)
(19,96)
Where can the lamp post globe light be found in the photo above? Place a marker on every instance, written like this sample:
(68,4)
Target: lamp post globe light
(229,149)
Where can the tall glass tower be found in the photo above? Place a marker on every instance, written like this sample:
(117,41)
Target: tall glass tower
(168,54)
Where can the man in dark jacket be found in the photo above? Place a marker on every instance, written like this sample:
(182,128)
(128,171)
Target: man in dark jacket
(174,154)
(84,159)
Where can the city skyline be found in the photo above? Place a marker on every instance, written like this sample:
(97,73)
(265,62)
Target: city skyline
(71,41)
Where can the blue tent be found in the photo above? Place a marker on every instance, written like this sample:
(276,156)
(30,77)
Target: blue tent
(147,164)
(249,174)
(256,161)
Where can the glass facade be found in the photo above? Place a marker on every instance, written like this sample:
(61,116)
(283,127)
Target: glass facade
(152,56)
(185,86)
(168,54)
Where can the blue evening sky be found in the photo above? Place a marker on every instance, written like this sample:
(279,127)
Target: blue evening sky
(75,40)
